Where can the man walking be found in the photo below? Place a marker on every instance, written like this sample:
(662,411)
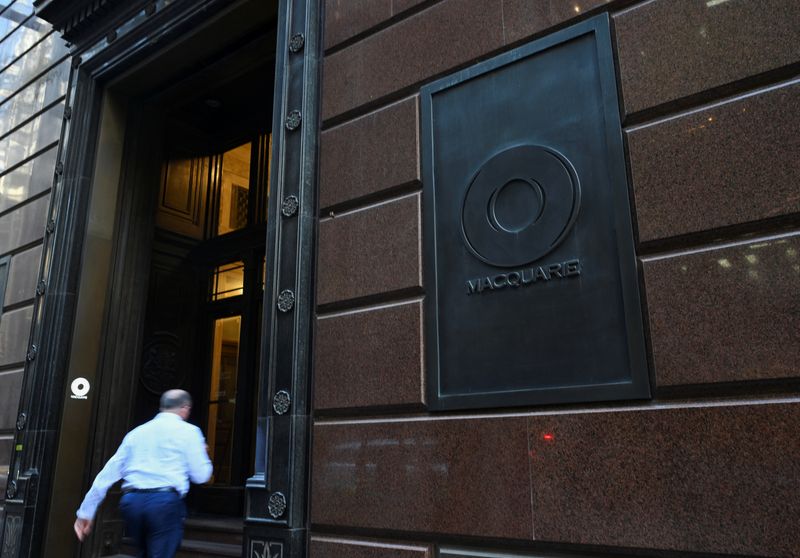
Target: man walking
(156,462)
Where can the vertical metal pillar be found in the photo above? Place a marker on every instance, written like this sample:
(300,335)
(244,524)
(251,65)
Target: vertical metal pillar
(276,508)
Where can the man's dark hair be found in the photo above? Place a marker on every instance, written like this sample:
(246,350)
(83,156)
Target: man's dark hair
(175,399)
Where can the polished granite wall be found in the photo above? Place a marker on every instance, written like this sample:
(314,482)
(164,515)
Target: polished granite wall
(709,99)
(34,72)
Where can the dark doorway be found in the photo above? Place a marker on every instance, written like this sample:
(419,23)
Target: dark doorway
(207,273)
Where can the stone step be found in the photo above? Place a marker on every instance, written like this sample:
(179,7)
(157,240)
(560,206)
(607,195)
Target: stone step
(204,537)
(205,549)
(229,530)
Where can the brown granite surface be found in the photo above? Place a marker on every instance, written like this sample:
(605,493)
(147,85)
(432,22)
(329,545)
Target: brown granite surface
(10,386)
(324,547)
(436,40)
(369,358)
(720,479)
(453,476)
(726,314)
(523,18)
(23,276)
(725,164)
(432,41)
(370,251)
(669,49)
(373,153)
(347,18)
(15,329)
(23,225)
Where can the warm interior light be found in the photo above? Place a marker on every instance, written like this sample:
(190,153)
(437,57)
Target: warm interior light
(234,190)
(228,281)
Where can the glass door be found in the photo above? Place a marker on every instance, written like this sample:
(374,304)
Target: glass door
(221,415)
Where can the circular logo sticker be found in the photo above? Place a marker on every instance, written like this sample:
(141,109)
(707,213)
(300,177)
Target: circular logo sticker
(80,388)
(520,205)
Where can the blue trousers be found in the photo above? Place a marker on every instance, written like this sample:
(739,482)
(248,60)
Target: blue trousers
(155,521)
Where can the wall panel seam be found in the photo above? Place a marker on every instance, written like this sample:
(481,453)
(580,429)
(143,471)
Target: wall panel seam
(727,234)
(11,5)
(354,305)
(8,7)
(697,403)
(369,206)
(391,21)
(25,247)
(369,308)
(720,246)
(695,101)
(714,103)
(28,159)
(35,78)
(18,305)
(387,194)
(4,135)
(17,28)
(344,123)
(24,54)
(22,204)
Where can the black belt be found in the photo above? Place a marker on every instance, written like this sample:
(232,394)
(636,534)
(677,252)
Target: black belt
(150,490)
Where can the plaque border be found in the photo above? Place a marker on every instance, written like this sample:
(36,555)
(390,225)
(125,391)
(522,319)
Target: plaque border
(638,387)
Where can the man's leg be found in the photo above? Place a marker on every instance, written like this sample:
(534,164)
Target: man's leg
(165,514)
(132,509)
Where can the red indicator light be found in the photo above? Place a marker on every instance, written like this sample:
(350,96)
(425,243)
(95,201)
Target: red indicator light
(548,437)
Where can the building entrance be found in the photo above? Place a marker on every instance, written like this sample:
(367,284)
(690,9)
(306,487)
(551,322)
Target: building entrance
(153,263)
(207,277)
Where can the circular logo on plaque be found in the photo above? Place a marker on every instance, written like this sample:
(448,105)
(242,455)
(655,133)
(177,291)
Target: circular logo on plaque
(520,205)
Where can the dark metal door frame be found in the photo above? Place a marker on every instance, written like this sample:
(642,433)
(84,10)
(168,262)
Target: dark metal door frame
(277,495)
(105,48)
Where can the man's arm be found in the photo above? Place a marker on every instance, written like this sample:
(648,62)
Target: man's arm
(110,474)
(198,464)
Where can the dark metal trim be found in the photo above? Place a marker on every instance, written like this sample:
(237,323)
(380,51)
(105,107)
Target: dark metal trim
(283,439)
(5,264)
(44,378)
(77,19)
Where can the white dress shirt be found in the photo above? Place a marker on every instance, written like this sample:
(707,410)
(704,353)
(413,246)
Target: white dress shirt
(164,452)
